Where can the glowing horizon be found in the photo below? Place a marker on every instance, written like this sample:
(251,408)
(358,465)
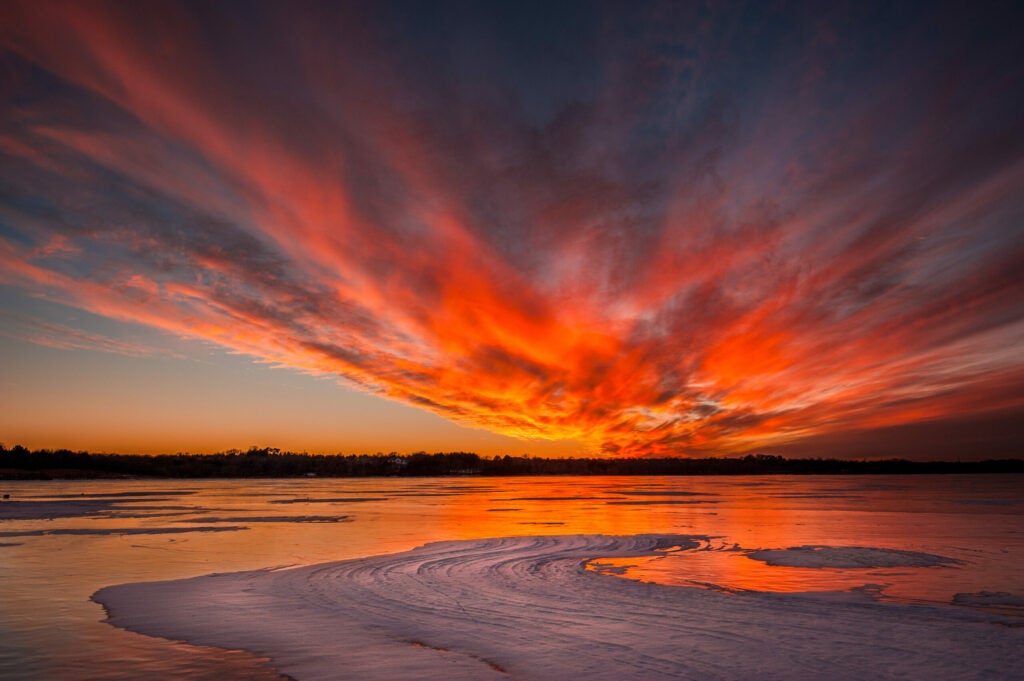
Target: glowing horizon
(662,232)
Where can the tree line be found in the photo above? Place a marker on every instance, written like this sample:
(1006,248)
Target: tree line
(270,462)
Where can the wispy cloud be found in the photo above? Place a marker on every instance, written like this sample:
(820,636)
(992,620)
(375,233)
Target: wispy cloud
(69,338)
(651,232)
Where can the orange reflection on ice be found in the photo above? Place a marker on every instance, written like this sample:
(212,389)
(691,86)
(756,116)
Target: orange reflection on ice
(541,506)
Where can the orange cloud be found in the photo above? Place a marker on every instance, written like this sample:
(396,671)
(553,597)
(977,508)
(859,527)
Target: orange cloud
(310,203)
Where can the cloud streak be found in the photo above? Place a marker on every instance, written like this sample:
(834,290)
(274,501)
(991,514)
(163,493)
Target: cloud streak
(661,232)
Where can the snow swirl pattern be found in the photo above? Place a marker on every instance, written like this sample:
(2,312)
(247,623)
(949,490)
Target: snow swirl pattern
(527,608)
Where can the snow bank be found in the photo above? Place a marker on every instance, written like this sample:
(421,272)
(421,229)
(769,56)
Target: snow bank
(527,608)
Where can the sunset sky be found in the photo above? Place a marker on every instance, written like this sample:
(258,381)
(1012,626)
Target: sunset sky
(563,229)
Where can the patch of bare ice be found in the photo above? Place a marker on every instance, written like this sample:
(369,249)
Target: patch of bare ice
(663,493)
(268,519)
(328,500)
(62,508)
(122,495)
(813,556)
(119,530)
(78,506)
(565,498)
(990,599)
(662,502)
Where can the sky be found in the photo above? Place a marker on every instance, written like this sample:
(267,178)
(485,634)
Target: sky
(586,229)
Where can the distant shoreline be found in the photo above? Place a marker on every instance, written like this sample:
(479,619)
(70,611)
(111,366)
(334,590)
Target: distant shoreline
(19,463)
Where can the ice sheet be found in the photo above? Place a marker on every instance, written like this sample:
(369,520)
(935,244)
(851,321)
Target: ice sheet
(527,608)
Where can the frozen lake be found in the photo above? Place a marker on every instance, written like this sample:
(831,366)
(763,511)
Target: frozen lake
(927,554)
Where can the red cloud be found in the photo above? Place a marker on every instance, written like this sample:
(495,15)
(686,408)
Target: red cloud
(531,293)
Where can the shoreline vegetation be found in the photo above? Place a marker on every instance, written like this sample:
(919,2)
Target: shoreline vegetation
(20,463)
